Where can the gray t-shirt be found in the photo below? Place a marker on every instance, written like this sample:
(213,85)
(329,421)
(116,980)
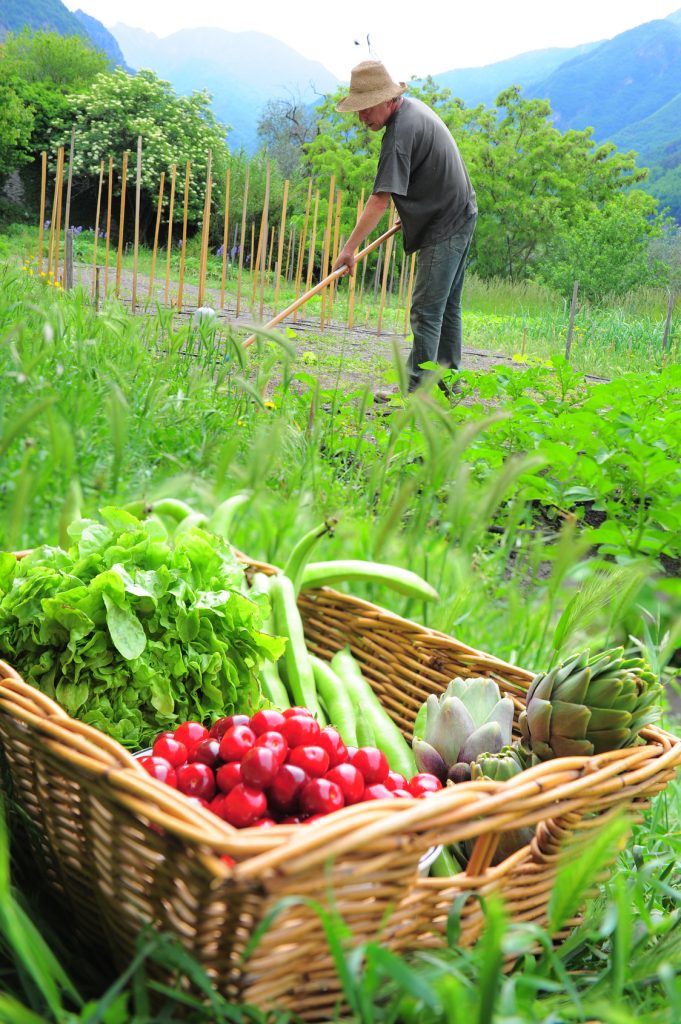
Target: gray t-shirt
(420,165)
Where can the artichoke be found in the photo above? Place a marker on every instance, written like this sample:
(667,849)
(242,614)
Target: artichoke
(499,767)
(588,705)
(471,717)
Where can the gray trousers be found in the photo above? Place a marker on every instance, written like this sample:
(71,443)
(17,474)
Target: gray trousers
(436,304)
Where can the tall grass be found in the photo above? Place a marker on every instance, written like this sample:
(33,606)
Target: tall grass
(103,409)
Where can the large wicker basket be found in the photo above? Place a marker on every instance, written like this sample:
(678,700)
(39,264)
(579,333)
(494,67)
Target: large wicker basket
(122,850)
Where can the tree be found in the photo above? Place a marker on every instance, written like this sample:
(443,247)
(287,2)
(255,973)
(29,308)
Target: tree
(118,108)
(286,126)
(16,126)
(43,68)
(545,197)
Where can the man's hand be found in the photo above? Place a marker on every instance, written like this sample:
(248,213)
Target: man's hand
(347,259)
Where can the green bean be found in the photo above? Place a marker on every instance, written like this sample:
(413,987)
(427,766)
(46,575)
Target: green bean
(322,574)
(339,706)
(296,659)
(387,736)
(300,554)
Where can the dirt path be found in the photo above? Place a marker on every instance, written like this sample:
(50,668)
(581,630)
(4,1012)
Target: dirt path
(364,355)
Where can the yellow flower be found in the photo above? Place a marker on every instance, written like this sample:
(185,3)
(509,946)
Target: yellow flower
(241,423)
(43,274)
(270,405)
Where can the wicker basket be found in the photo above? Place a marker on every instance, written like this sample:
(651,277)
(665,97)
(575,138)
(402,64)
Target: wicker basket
(122,850)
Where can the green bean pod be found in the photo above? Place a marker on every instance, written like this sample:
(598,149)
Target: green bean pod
(288,623)
(300,554)
(387,736)
(337,702)
(404,581)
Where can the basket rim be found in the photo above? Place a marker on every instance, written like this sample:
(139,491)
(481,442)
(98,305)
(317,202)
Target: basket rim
(550,788)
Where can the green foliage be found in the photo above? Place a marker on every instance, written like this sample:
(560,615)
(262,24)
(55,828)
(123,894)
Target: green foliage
(117,108)
(15,130)
(43,68)
(546,199)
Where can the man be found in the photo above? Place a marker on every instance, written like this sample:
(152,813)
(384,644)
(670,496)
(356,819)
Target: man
(421,168)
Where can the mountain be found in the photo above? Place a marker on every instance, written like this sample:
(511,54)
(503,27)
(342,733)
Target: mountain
(102,39)
(241,71)
(620,82)
(483,85)
(53,16)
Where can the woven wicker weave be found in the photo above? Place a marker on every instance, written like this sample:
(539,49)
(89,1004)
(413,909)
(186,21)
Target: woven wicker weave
(123,850)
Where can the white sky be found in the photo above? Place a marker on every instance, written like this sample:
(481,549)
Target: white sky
(411,38)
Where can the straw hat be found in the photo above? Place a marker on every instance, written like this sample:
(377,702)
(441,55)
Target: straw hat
(370,84)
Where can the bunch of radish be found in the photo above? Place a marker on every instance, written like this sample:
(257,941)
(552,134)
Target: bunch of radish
(275,767)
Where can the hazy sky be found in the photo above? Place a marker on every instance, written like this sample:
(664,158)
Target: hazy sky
(415,38)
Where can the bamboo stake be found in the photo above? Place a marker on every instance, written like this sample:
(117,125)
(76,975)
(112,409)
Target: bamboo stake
(410,286)
(353,278)
(67,212)
(326,246)
(301,245)
(289,250)
(159,211)
(169,246)
(60,184)
(225,239)
(99,206)
(282,235)
(43,191)
(50,240)
(263,234)
(180,287)
(261,254)
(121,223)
(386,271)
(241,242)
(313,239)
(108,226)
(250,258)
(336,246)
(400,287)
(136,242)
(333,276)
(205,229)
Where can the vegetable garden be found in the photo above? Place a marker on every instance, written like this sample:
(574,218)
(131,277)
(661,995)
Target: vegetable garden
(539,507)
(311,710)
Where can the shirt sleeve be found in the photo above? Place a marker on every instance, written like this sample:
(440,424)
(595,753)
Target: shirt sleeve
(394,165)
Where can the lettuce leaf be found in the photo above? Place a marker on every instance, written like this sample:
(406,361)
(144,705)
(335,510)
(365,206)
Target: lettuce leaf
(133,633)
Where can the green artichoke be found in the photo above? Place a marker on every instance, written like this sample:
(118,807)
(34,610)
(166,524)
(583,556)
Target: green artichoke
(499,767)
(471,717)
(588,705)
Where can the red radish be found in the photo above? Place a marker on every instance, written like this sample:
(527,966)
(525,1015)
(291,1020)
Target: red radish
(286,786)
(422,783)
(395,780)
(235,742)
(220,727)
(159,769)
(244,805)
(330,739)
(372,763)
(275,741)
(265,720)
(377,791)
(190,733)
(314,760)
(288,712)
(206,751)
(169,747)
(259,765)
(196,780)
(321,796)
(350,780)
(228,776)
(298,729)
